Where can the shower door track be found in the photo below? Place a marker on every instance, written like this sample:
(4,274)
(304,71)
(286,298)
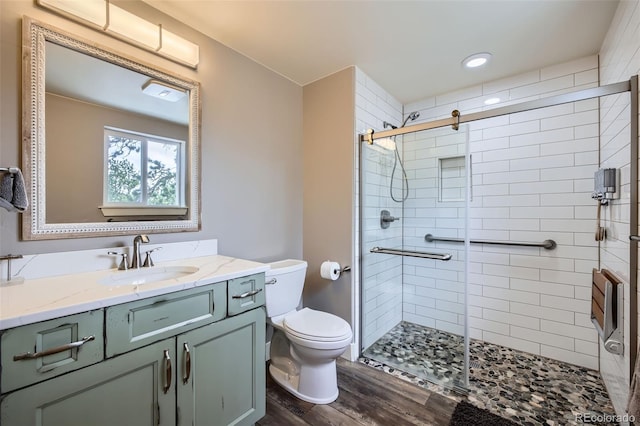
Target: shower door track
(580,95)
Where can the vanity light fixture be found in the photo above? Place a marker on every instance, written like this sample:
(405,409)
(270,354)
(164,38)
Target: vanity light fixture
(476,60)
(491,101)
(117,22)
(162,90)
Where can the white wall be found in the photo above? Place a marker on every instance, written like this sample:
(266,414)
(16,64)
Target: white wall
(381,285)
(532,180)
(619,59)
(328,189)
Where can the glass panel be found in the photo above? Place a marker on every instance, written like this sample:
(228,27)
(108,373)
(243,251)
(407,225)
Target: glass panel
(162,167)
(124,183)
(413,309)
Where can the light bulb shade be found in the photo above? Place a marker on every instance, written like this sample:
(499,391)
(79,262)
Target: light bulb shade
(130,26)
(92,11)
(179,48)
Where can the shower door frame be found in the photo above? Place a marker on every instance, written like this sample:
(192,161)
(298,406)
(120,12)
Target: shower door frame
(457,118)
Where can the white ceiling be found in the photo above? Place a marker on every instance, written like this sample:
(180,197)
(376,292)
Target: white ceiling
(413,49)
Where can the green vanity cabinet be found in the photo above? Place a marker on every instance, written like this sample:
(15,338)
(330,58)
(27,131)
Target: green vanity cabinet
(221,379)
(127,391)
(175,359)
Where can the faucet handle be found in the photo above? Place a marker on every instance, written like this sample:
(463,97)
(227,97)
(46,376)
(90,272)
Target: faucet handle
(148,262)
(123,263)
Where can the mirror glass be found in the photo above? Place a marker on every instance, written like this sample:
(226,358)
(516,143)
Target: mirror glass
(111,144)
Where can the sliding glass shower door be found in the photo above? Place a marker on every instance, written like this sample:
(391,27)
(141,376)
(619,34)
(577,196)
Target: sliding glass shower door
(413,288)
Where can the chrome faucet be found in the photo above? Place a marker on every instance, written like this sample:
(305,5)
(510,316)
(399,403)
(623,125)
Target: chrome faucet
(135,258)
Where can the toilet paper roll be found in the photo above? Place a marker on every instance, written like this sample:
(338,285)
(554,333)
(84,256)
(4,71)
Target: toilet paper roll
(330,270)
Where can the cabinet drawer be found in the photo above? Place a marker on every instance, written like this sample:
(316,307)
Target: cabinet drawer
(40,351)
(136,324)
(245,293)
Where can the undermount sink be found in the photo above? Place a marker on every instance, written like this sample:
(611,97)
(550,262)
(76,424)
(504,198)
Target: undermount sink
(147,275)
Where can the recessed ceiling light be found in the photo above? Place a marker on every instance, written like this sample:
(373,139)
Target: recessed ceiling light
(162,90)
(491,101)
(476,60)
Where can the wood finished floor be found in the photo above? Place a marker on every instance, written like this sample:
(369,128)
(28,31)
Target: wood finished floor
(367,397)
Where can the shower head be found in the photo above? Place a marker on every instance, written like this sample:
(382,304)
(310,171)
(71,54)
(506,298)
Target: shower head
(412,116)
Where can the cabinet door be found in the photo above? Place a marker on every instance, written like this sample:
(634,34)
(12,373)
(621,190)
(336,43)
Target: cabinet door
(124,391)
(221,379)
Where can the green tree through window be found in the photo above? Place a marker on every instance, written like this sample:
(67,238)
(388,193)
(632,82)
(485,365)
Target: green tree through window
(142,169)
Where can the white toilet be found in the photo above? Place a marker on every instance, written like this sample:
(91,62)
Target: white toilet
(306,343)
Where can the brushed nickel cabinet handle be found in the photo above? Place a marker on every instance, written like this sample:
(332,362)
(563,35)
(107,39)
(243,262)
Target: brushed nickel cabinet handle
(247,294)
(55,350)
(167,371)
(187,364)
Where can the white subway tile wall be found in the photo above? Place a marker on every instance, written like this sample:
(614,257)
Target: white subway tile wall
(532,178)
(619,59)
(381,283)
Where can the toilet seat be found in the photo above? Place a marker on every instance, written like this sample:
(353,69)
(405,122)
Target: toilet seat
(316,326)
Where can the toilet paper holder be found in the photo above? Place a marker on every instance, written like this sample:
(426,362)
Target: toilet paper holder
(345,269)
(331,270)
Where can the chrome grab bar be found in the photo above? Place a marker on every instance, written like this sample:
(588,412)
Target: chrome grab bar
(411,253)
(547,244)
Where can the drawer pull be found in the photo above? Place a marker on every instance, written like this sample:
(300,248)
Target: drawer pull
(55,350)
(187,364)
(167,371)
(247,294)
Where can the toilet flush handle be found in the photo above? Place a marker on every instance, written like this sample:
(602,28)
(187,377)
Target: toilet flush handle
(271,281)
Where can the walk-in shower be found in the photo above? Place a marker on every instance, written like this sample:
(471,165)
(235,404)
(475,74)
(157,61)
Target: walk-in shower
(494,244)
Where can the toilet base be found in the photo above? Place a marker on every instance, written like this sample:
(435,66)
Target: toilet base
(291,384)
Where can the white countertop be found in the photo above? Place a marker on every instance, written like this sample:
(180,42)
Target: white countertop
(47,298)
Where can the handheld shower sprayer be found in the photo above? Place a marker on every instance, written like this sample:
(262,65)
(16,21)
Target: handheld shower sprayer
(412,116)
(397,160)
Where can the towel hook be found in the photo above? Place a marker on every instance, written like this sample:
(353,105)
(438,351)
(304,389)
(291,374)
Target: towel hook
(11,170)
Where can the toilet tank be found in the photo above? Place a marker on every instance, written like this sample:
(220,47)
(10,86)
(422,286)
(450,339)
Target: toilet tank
(284,294)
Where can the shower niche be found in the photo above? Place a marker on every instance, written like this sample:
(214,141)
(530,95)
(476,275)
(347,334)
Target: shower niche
(451,179)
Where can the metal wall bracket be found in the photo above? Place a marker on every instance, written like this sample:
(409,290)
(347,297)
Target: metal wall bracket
(455,114)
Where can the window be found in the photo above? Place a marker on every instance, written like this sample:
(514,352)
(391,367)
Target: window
(143,171)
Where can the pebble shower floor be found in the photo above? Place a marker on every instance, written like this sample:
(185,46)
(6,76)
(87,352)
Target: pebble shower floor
(525,388)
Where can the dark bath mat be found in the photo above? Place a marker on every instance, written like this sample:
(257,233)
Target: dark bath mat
(466,414)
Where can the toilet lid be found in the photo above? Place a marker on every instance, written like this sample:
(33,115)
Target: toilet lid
(317,325)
